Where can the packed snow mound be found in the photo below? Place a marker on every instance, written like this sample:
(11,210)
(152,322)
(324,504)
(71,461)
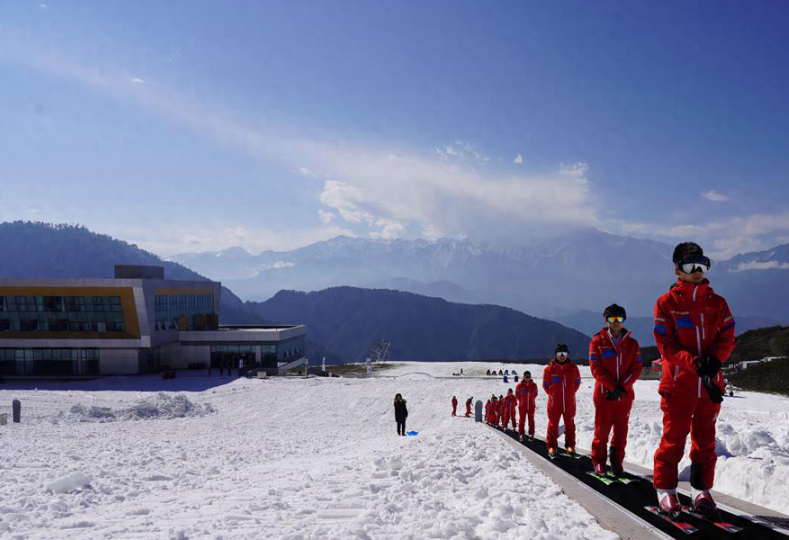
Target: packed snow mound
(73,482)
(160,406)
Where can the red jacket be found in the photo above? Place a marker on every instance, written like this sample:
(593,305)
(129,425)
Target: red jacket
(691,321)
(509,402)
(561,382)
(526,392)
(614,365)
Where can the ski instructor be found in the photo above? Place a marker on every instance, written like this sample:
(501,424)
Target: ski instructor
(615,361)
(694,330)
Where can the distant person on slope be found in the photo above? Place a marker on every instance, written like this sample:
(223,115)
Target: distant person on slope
(401,413)
(561,380)
(454,406)
(468,406)
(694,331)
(526,393)
(615,361)
(501,409)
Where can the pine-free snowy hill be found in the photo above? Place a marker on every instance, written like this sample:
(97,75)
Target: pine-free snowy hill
(348,319)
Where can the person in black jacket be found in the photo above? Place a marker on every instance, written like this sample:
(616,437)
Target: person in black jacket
(401,413)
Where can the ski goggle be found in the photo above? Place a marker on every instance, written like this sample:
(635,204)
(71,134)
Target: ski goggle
(697,264)
(618,319)
(562,355)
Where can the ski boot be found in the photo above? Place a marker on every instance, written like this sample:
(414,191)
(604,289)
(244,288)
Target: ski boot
(570,450)
(599,468)
(669,505)
(704,505)
(616,465)
(552,452)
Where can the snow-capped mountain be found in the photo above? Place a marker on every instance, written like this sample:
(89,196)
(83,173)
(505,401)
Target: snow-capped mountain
(585,270)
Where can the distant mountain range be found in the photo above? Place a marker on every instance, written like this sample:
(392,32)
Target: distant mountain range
(586,270)
(557,279)
(347,320)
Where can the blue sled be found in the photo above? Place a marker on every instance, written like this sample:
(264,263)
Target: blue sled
(412,433)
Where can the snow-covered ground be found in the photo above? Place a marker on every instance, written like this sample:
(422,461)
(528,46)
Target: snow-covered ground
(319,458)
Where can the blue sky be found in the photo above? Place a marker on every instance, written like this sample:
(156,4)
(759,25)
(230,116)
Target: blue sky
(192,126)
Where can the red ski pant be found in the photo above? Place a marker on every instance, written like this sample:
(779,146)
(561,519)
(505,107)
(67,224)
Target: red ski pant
(554,415)
(686,412)
(505,416)
(468,410)
(610,414)
(454,409)
(522,414)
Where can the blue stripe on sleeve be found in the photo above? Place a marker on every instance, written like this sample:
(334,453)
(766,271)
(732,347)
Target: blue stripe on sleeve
(660,329)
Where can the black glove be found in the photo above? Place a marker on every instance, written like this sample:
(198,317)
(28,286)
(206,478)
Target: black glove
(619,391)
(708,365)
(714,391)
(609,395)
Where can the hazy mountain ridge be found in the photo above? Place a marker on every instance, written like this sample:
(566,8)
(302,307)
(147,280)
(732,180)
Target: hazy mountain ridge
(348,319)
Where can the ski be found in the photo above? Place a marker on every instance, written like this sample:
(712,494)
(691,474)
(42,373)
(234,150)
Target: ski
(604,478)
(610,478)
(687,528)
(728,527)
(565,454)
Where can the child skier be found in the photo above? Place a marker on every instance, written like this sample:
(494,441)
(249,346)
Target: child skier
(615,362)
(561,380)
(526,393)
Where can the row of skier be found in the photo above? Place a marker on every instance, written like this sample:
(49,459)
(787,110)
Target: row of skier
(694,332)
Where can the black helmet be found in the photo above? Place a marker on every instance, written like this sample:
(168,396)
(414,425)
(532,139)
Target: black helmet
(615,310)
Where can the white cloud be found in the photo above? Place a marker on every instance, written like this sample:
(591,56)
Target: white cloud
(723,238)
(393,192)
(518,159)
(137,80)
(714,196)
(275,266)
(326,217)
(757,265)
(304,171)
(575,170)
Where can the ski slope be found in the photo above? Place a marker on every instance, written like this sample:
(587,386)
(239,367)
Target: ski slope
(139,457)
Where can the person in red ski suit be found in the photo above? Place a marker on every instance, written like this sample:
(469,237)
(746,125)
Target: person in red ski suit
(694,331)
(468,406)
(454,406)
(561,380)
(487,412)
(615,362)
(509,409)
(493,410)
(526,394)
(506,409)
